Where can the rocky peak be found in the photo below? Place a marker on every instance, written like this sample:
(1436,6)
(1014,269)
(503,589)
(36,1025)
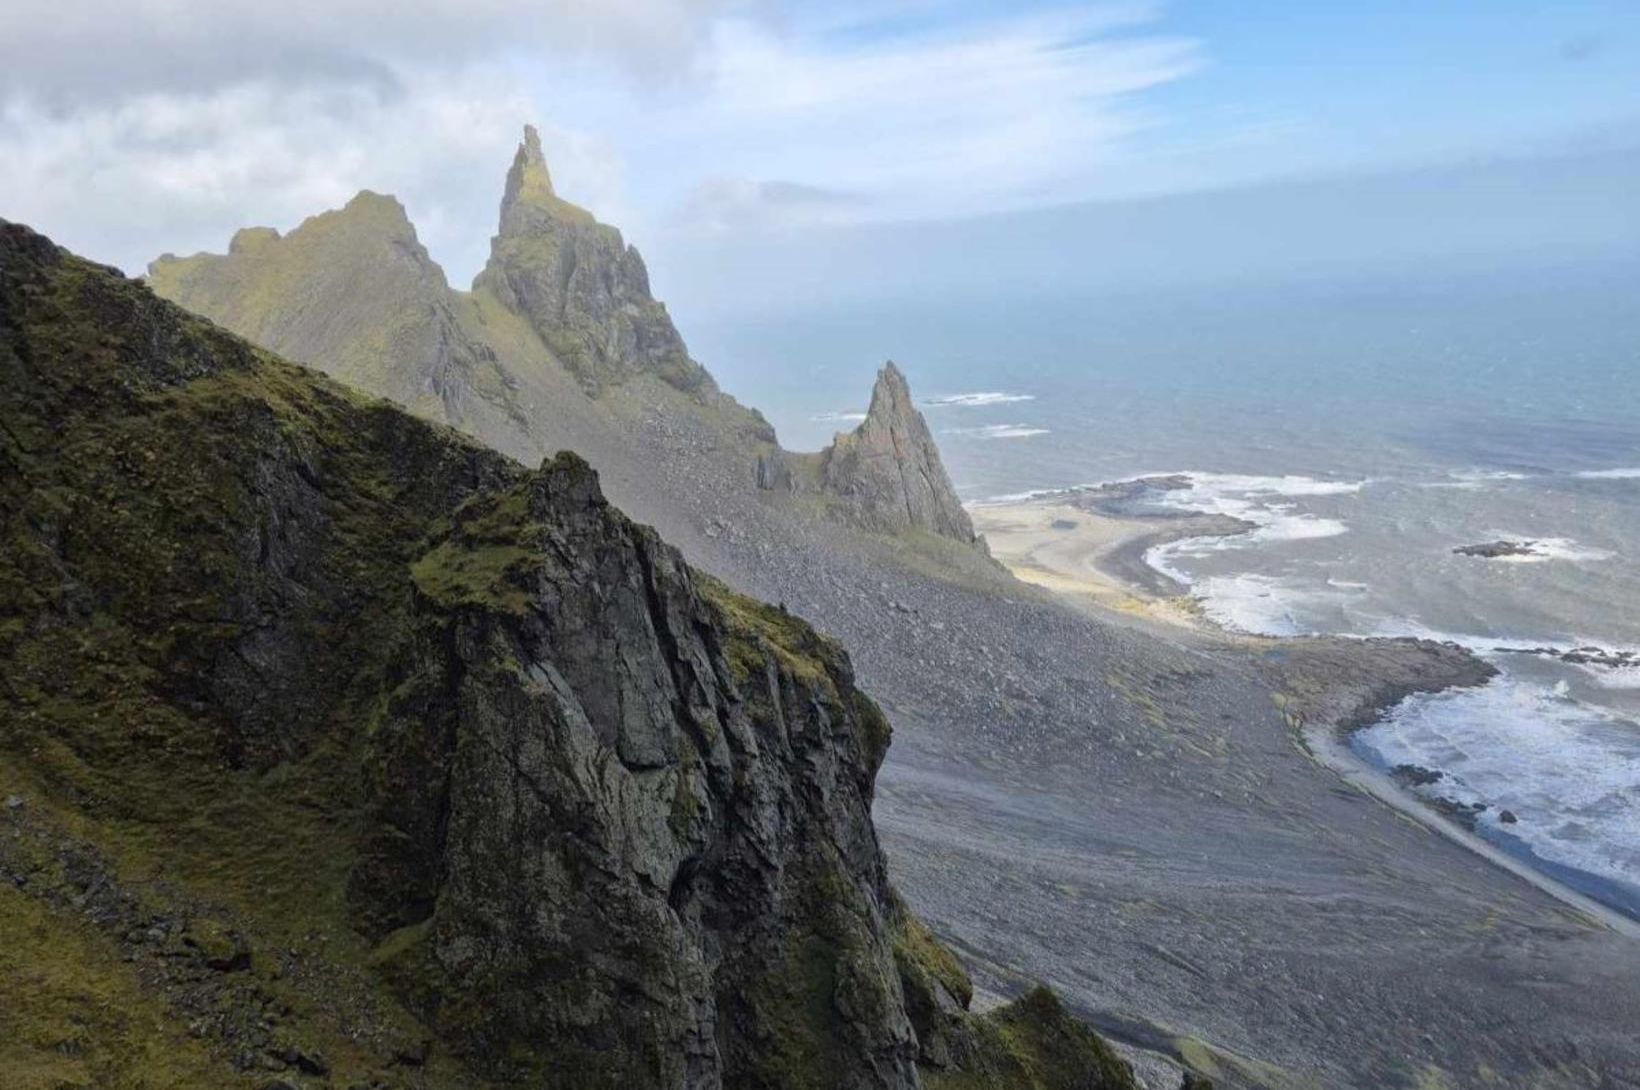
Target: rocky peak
(891,403)
(246,240)
(529,174)
(529,194)
(582,288)
(352,292)
(888,470)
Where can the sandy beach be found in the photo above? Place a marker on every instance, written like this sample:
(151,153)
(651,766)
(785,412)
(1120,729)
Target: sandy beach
(1098,560)
(1092,557)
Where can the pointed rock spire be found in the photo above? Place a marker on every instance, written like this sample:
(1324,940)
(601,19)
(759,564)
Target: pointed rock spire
(888,470)
(529,181)
(583,289)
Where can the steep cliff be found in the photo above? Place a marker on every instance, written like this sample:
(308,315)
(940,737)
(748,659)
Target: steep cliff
(338,750)
(354,293)
(581,286)
(888,471)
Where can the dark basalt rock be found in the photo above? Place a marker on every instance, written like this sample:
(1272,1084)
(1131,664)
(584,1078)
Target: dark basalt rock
(1416,775)
(1497,550)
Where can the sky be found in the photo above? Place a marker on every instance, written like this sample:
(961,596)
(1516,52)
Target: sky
(769,131)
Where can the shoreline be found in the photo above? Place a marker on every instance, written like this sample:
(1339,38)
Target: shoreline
(1329,745)
(1096,560)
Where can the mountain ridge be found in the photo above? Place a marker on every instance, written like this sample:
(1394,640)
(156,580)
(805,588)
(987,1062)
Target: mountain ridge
(589,320)
(346,751)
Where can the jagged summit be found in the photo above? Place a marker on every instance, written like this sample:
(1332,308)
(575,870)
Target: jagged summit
(529,194)
(529,169)
(888,470)
(580,286)
(891,396)
(351,291)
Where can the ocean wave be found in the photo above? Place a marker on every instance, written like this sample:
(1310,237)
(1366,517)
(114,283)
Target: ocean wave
(983,397)
(999,431)
(1476,479)
(1287,485)
(1569,772)
(1617,678)
(1257,501)
(1620,474)
(838,418)
(1255,604)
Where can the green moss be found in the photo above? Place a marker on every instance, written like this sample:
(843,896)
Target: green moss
(1214,1062)
(918,954)
(827,967)
(177,508)
(458,574)
(76,1015)
(1034,1043)
(757,629)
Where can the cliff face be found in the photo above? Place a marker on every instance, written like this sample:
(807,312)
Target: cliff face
(354,293)
(888,471)
(581,286)
(338,750)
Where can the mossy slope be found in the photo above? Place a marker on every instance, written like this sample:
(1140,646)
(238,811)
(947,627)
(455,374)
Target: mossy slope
(337,750)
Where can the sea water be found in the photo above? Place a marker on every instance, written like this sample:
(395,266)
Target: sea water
(1366,427)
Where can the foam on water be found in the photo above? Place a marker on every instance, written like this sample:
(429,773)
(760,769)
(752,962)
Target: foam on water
(1618,678)
(1476,479)
(1569,771)
(983,397)
(1259,501)
(1255,604)
(838,418)
(1626,473)
(999,431)
(1550,548)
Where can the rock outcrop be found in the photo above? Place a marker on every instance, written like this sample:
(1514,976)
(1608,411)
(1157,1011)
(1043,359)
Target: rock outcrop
(581,286)
(888,473)
(354,293)
(559,323)
(341,751)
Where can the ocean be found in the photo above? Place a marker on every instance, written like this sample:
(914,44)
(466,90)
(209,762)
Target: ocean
(1368,425)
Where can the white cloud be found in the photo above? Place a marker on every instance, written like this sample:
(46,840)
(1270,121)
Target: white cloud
(935,121)
(167,171)
(151,125)
(73,49)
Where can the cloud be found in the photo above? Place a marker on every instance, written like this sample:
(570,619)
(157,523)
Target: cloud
(929,120)
(170,171)
(147,125)
(131,128)
(70,51)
